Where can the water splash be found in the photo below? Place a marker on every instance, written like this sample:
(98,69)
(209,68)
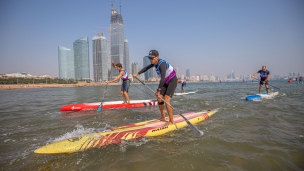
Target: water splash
(79,131)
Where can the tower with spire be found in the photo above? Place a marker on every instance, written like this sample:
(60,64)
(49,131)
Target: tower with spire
(117,39)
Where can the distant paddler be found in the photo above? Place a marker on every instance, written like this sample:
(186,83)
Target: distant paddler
(125,81)
(264,76)
(183,84)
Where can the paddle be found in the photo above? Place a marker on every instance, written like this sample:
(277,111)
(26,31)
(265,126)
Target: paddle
(269,84)
(194,129)
(99,107)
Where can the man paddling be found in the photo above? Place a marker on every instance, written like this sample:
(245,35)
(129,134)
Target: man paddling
(183,82)
(167,83)
(125,81)
(264,74)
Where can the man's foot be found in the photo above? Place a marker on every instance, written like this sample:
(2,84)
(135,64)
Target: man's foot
(162,119)
(169,123)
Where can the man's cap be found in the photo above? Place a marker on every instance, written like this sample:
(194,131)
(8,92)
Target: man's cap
(152,54)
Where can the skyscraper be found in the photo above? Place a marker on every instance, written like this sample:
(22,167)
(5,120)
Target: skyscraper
(117,39)
(134,68)
(146,62)
(81,59)
(126,57)
(100,58)
(66,63)
(188,73)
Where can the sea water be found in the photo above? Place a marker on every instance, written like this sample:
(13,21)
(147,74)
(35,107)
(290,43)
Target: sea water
(242,135)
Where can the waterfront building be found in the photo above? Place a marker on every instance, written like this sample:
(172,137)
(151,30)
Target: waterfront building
(100,58)
(126,57)
(146,62)
(81,59)
(182,77)
(188,73)
(66,63)
(134,68)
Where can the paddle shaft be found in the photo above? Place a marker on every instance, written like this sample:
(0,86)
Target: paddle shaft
(193,128)
(104,92)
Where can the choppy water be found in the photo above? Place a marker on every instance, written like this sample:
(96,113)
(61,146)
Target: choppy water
(262,135)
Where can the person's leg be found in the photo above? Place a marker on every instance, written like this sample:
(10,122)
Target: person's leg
(126,96)
(184,86)
(161,109)
(123,89)
(169,109)
(267,89)
(168,95)
(260,89)
(123,96)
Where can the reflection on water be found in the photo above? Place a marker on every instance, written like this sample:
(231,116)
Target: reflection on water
(242,135)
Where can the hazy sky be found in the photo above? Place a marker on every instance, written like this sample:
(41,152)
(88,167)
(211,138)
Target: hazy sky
(201,35)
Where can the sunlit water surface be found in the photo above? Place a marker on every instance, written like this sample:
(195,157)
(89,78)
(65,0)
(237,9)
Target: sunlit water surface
(242,135)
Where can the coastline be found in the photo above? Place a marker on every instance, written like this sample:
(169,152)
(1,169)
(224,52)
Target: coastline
(27,86)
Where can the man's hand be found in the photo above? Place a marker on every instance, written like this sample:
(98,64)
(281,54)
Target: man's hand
(157,94)
(135,75)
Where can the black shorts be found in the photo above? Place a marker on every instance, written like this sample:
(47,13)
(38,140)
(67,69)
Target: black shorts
(125,86)
(169,89)
(262,82)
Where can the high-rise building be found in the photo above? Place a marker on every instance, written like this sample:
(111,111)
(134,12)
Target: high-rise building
(100,58)
(117,39)
(188,73)
(232,75)
(182,76)
(146,62)
(134,68)
(81,59)
(126,57)
(151,73)
(66,63)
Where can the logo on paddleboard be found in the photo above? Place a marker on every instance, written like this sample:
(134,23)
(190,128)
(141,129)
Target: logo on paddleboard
(158,129)
(74,139)
(75,108)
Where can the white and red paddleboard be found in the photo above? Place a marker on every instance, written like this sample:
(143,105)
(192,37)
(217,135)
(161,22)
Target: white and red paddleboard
(108,105)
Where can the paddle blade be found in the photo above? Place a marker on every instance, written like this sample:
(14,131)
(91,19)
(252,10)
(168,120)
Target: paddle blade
(196,131)
(99,108)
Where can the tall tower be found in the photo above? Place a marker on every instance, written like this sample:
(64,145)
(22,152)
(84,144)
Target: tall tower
(117,39)
(188,73)
(81,59)
(146,62)
(66,63)
(100,58)
(126,59)
(134,68)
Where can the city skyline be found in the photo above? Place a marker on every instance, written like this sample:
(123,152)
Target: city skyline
(206,37)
